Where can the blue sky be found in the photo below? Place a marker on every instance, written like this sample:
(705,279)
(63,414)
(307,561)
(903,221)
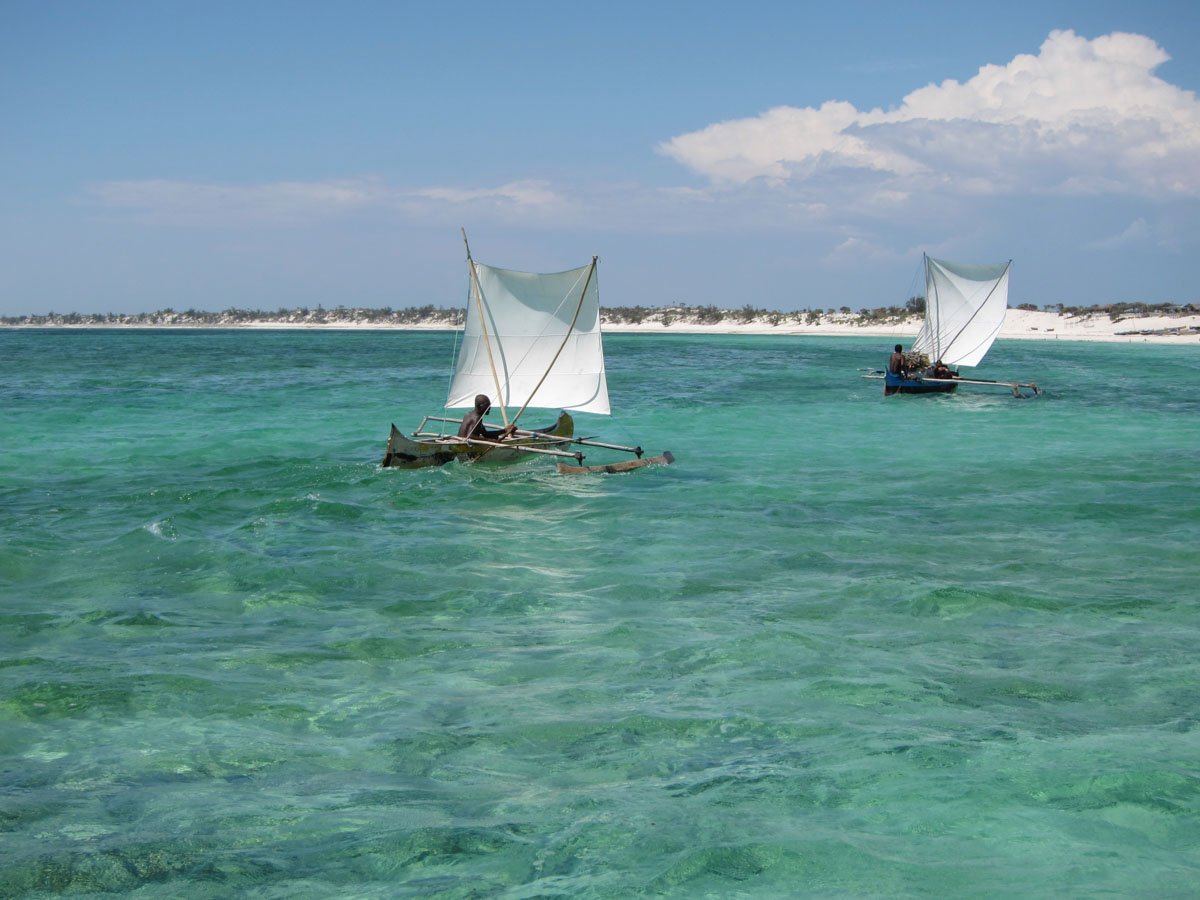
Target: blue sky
(785,155)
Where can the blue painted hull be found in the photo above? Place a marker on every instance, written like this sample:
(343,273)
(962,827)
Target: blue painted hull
(896,384)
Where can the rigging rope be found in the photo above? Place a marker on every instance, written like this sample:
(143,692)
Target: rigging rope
(454,353)
(566,337)
(483,328)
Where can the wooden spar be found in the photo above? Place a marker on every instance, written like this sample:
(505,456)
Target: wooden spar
(479,442)
(521,432)
(1014,385)
(613,468)
(570,328)
(483,327)
(587,442)
(1008,384)
(543,436)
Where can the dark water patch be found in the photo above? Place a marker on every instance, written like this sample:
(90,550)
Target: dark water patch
(983,690)
(1174,793)
(934,755)
(719,865)
(385,649)
(23,625)
(816,865)
(66,699)
(128,868)
(952,602)
(34,807)
(143,619)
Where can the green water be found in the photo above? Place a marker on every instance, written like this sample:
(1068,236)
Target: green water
(846,646)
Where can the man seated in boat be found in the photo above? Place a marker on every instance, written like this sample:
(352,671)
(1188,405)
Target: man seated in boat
(896,361)
(472,423)
(941,370)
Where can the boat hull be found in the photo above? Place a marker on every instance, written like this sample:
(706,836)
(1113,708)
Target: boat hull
(897,384)
(404,452)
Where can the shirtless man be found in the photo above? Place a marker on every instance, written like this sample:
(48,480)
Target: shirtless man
(472,423)
(896,361)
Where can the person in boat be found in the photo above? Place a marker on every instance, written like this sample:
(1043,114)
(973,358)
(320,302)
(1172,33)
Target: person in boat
(472,423)
(941,370)
(896,361)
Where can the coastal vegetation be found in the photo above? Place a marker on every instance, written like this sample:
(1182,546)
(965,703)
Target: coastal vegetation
(437,317)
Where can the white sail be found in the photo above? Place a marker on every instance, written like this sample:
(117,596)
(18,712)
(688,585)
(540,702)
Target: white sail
(964,309)
(533,326)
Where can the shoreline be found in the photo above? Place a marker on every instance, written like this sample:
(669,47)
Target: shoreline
(1018,325)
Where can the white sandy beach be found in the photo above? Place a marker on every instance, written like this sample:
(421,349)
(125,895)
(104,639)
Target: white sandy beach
(1018,324)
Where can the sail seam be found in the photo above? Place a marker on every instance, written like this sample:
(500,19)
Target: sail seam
(979,308)
(566,337)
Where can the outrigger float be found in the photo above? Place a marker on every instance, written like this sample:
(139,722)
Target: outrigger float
(965,307)
(529,340)
(923,384)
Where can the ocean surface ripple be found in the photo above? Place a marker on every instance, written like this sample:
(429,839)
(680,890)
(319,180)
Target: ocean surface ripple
(845,646)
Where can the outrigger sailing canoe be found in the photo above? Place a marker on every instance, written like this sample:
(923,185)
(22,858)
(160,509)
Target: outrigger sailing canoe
(965,307)
(529,341)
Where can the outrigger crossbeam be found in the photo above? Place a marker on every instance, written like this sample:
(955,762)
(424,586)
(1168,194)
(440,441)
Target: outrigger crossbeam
(1015,386)
(521,432)
(546,451)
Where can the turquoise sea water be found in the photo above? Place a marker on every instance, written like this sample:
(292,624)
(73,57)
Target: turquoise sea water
(846,646)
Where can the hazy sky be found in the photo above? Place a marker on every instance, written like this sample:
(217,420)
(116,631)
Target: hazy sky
(783,155)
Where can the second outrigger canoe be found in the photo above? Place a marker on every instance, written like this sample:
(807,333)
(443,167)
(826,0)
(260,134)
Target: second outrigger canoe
(965,305)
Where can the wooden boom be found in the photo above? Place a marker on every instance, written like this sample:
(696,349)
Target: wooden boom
(540,435)
(1015,385)
(524,448)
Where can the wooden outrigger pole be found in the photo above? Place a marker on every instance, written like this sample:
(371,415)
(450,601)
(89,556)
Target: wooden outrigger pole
(521,432)
(1014,385)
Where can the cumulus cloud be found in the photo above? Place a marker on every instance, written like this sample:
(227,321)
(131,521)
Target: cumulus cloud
(1082,116)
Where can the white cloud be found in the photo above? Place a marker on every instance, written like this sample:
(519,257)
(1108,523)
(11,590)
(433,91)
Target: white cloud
(161,201)
(181,202)
(517,194)
(1138,232)
(1081,116)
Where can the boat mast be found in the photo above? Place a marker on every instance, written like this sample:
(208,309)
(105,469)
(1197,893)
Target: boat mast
(478,291)
(579,306)
(932,311)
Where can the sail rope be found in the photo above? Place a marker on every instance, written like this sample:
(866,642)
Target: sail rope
(546,326)
(570,328)
(454,352)
(487,343)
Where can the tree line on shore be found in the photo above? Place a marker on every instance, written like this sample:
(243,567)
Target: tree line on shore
(432,316)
